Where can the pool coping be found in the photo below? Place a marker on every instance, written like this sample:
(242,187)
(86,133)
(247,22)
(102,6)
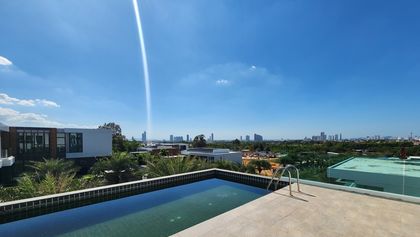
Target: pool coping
(50,203)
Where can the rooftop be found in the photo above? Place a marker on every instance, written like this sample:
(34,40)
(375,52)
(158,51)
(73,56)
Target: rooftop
(389,166)
(315,212)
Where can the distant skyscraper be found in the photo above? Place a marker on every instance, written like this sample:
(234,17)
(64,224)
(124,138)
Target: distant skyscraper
(212,137)
(240,138)
(336,137)
(143,137)
(171,138)
(247,138)
(178,139)
(323,136)
(341,137)
(258,138)
(188,137)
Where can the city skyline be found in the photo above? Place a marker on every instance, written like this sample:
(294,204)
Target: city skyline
(281,69)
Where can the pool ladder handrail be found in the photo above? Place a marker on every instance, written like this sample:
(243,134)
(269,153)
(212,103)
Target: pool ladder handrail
(284,169)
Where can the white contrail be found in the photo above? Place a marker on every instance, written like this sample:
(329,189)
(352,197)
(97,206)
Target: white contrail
(145,69)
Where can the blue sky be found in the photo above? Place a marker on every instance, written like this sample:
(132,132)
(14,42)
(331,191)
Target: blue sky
(283,69)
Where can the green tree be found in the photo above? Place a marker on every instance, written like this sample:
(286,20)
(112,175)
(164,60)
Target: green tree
(236,144)
(199,141)
(259,165)
(169,166)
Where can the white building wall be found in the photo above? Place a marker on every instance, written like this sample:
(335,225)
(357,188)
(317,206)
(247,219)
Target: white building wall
(96,142)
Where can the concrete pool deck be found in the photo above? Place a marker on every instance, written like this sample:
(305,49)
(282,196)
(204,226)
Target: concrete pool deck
(315,212)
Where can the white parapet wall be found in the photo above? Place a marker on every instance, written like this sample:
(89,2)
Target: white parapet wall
(96,143)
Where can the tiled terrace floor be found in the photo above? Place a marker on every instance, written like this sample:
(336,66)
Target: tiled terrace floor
(316,212)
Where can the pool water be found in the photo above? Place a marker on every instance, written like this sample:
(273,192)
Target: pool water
(158,213)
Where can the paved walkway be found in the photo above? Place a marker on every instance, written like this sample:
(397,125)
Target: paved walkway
(316,212)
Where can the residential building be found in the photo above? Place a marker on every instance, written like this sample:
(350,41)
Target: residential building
(258,138)
(214,154)
(35,143)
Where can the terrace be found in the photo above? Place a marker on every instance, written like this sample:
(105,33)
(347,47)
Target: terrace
(318,211)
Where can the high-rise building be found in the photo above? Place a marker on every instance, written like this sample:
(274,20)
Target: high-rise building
(171,138)
(178,139)
(188,137)
(247,138)
(336,137)
(258,138)
(341,137)
(323,136)
(212,137)
(143,137)
(240,138)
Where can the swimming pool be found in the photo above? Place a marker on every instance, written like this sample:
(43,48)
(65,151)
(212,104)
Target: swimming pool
(157,213)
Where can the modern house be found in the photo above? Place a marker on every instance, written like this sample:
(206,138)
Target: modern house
(35,143)
(213,154)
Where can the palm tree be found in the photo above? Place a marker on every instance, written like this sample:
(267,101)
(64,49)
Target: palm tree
(120,167)
(169,166)
(259,165)
(48,177)
(54,167)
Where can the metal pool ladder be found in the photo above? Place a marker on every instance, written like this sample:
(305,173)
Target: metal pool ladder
(284,169)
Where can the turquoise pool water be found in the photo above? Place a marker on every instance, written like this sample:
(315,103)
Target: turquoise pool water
(158,213)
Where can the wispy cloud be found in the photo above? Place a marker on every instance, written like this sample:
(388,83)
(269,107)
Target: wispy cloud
(222,82)
(235,74)
(16,118)
(7,100)
(5,62)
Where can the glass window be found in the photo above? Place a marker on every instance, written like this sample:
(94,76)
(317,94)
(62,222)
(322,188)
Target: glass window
(29,141)
(21,142)
(75,142)
(61,143)
(47,140)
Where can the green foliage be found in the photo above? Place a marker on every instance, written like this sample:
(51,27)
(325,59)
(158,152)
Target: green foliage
(199,141)
(259,165)
(54,167)
(169,166)
(236,145)
(120,167)
(8,193)
(47,177)
(229,165)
